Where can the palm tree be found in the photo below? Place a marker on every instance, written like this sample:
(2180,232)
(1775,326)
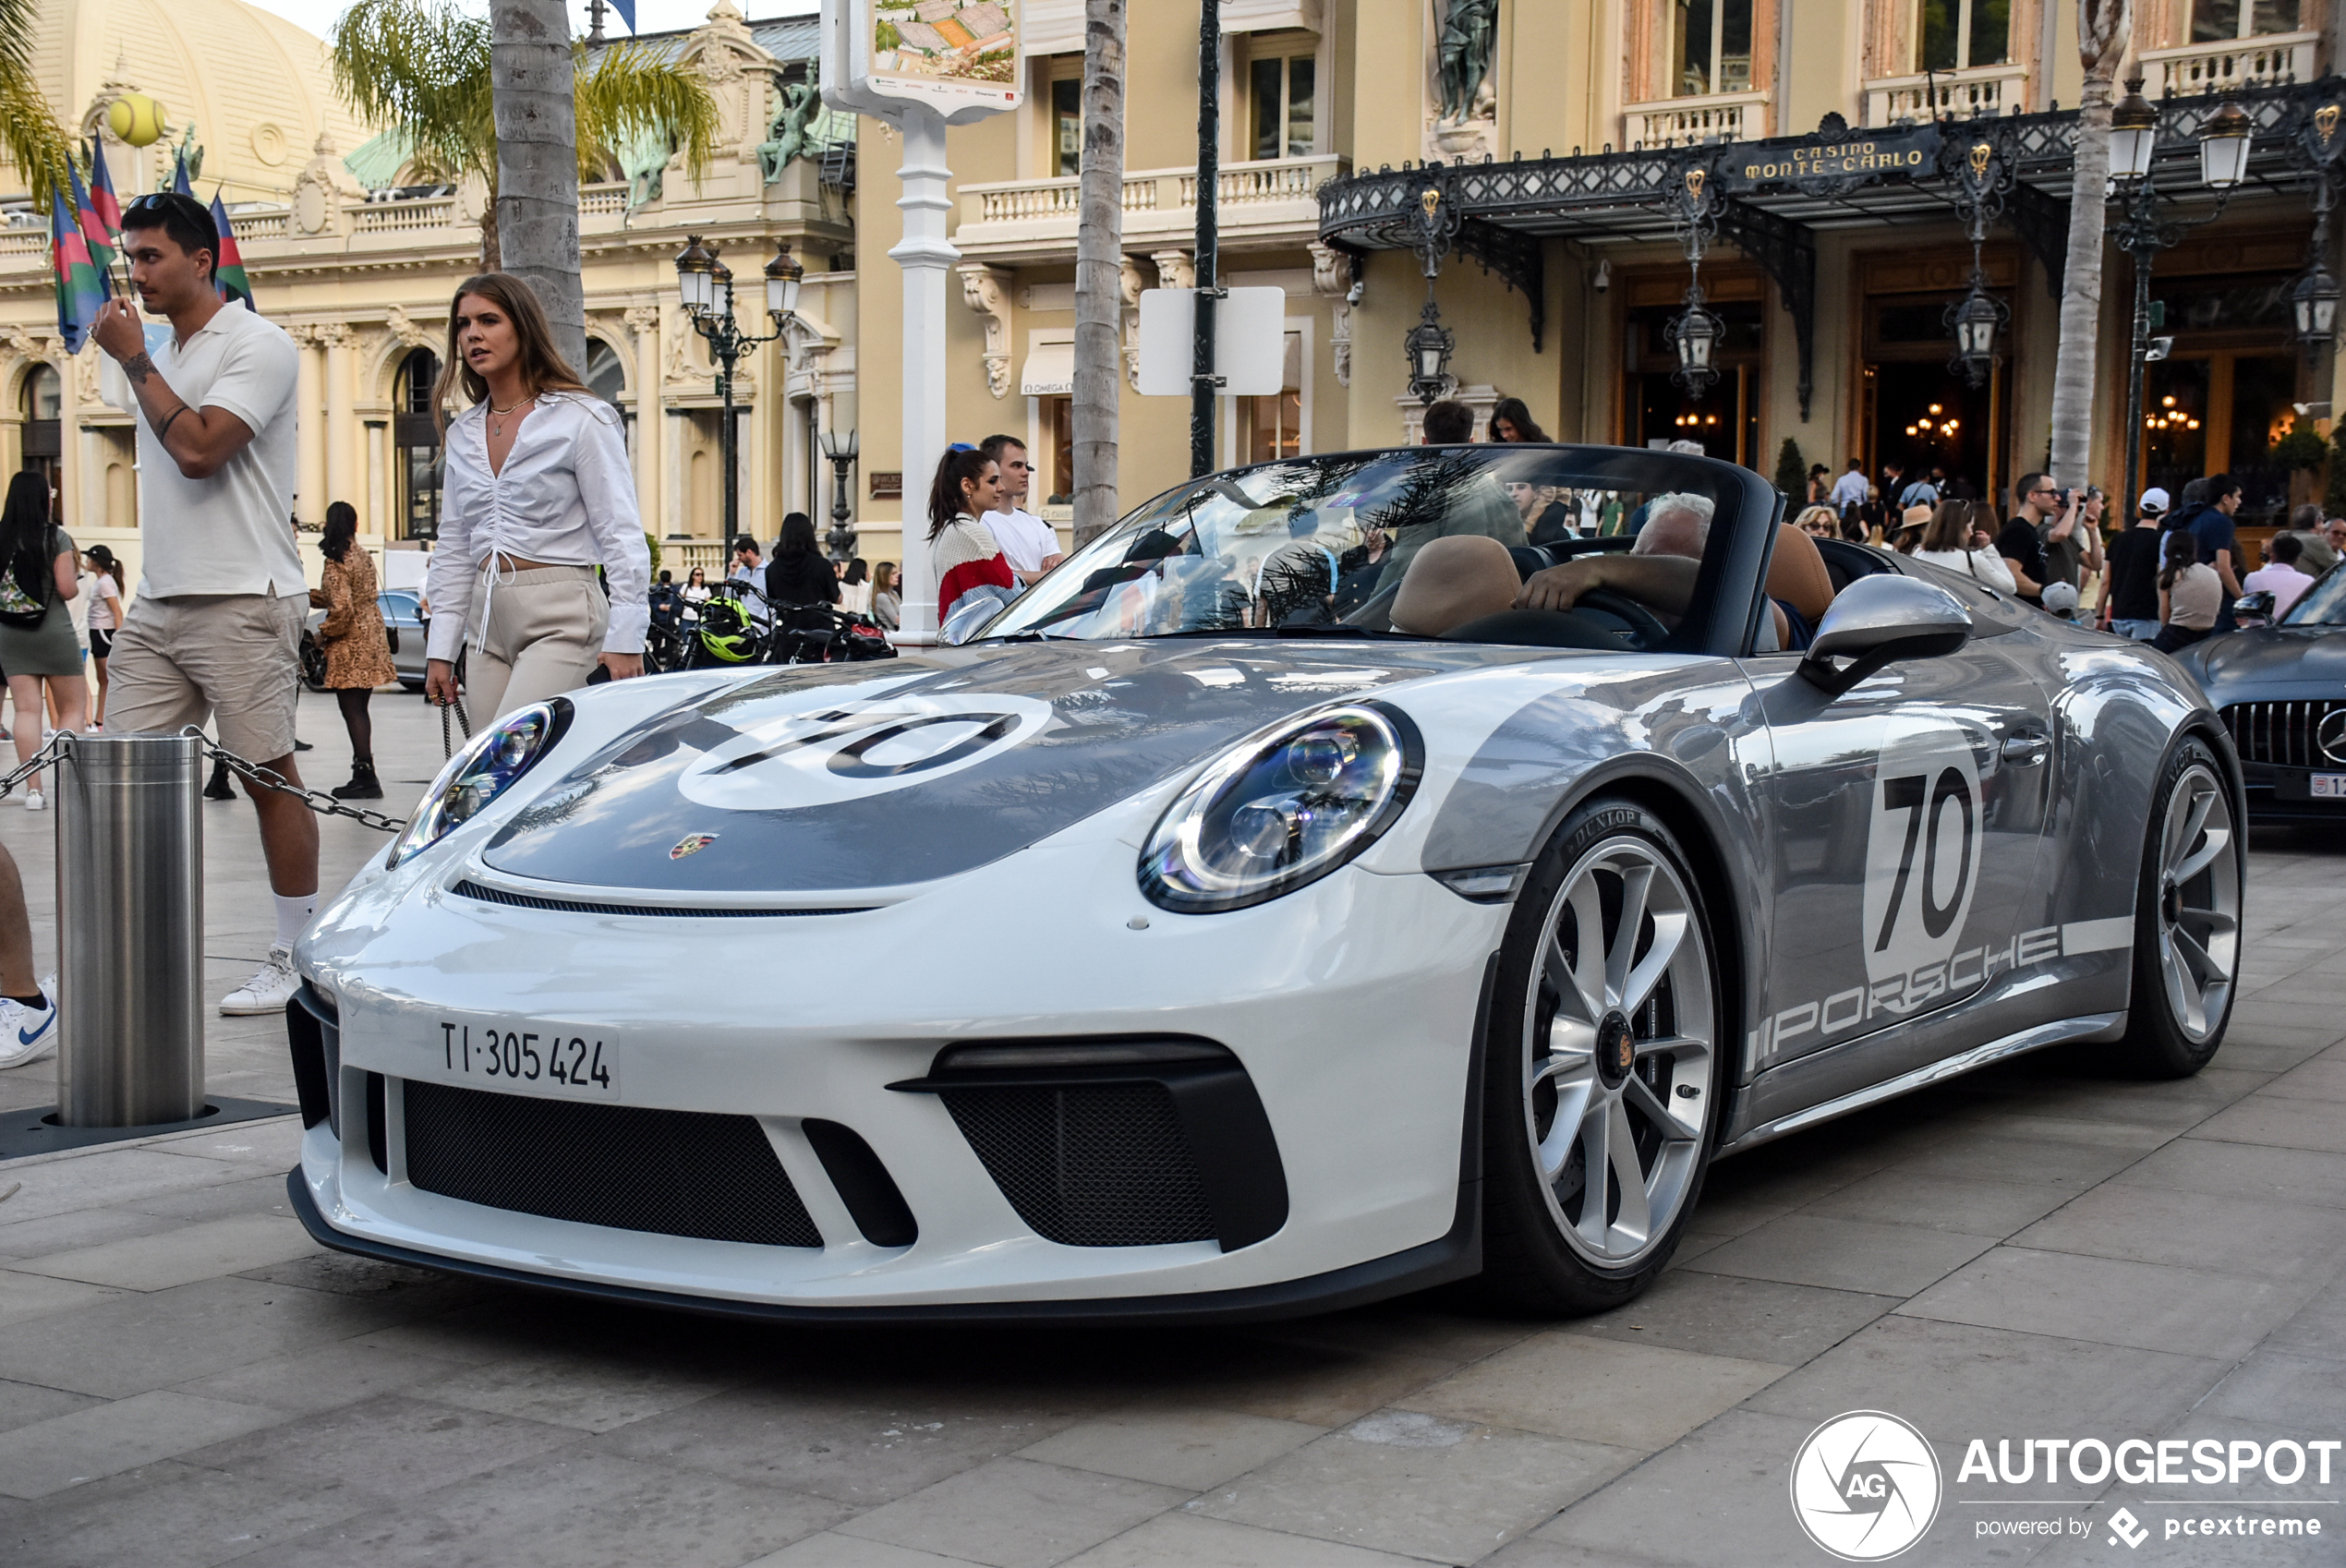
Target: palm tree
(2104,28)
(422,69)
(1099,268)
(28,135)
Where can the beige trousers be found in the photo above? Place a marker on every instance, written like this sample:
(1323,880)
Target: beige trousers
(545,633)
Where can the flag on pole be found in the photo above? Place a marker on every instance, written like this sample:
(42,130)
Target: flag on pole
(102,244)
(101,195)
(229,262)
(79,291)
(179,181)
(626,9)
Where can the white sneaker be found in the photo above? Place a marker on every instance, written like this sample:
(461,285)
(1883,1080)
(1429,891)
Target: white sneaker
(271,987)
(32,800)
(27,1034)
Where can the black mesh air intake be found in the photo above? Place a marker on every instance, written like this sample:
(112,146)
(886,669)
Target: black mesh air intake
(676,1172)
(1105,1165)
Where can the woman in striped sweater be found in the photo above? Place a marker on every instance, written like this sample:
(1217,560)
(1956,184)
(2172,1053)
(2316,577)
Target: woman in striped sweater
(962,549)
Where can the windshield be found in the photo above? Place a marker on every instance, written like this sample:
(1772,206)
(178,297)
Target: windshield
(2324,604)
(1327,541)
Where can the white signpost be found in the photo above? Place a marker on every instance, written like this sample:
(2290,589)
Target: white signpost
(922,66)
(1249,341)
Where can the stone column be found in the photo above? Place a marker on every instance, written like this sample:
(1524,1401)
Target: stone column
(342,427)
(375,518)
(309,435)
(643,320)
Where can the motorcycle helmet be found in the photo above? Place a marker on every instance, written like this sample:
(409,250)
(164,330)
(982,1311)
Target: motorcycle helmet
(726,633)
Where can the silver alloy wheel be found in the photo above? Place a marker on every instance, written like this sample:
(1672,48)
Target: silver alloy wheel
(1618,1058)
(2198,902)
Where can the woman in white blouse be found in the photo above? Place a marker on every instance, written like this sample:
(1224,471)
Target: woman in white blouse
(538,495)
(1954,540)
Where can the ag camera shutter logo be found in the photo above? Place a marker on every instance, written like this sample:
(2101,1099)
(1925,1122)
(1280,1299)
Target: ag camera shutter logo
(1866,1485)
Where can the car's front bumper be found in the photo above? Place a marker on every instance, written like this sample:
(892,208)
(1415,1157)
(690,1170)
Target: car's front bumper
(1351,1006)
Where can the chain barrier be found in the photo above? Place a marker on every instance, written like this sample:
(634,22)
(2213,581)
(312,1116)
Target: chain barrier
(316,800)
(52,752)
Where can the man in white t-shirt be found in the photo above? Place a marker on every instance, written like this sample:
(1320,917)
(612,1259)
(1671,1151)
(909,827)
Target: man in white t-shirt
(214,631)
(1029,544)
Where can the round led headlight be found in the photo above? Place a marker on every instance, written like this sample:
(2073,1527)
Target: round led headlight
(488,767)
(1282,809)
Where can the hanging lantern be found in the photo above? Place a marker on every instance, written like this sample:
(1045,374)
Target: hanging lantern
(2314,303)
(1976,322)
(1428,348)
(1695,332)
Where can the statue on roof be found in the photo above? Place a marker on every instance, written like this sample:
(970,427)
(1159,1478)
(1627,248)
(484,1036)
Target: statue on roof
(190,152)
(645,163)
(787,133)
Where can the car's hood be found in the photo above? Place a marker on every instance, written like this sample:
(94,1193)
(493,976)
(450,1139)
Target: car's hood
(880,775)
(2293,655)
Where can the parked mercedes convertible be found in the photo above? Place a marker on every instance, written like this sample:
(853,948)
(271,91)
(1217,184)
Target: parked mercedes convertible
(1184,945)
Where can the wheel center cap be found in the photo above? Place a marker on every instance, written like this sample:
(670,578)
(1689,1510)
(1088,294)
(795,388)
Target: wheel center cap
(1617,1050)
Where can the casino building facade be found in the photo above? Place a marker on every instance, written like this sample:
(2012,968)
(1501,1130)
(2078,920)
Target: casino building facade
(1538,170)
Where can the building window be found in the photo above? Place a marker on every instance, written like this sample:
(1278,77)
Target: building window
(43,439)
(1066,127)
(1955,34)
(1281,90)
(417,440)
(1710,47)
(2213,21)
(1274,427)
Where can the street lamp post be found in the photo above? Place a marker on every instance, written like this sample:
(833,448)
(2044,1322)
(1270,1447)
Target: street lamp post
(705,286)
(2142,233)
(840,540)
(1433,224)
(1981,175)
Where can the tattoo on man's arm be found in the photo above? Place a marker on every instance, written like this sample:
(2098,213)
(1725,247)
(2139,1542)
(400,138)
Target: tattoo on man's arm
(139,367)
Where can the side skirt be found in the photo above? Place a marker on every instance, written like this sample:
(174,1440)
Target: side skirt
(2027,1040)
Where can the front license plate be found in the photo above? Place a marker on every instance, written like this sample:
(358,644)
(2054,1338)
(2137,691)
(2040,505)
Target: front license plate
(541,1061)
(2327,786)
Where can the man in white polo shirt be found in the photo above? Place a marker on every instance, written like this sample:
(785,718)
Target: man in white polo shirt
(215,630)
(1029,544)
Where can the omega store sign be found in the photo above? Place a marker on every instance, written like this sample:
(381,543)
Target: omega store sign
(1850,158)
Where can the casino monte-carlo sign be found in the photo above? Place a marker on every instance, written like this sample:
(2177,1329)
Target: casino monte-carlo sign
(1852,158)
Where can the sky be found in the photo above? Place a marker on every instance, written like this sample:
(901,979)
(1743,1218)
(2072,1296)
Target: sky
(651,16)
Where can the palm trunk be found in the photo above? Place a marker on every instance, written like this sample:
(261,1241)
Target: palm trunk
(491,254)
(1099,265)
(535,225)
(2103,29)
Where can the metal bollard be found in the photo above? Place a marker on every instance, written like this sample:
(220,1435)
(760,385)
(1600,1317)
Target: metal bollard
(130,930)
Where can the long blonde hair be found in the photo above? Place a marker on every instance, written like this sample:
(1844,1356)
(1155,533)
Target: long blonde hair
(542,365)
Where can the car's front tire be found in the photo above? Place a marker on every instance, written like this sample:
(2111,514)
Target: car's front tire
(2186,964)
(1604,1061)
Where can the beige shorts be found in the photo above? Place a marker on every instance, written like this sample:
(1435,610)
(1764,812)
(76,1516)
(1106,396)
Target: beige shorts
(232,657)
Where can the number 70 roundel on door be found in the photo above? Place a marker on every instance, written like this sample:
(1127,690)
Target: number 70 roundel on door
(1922,848)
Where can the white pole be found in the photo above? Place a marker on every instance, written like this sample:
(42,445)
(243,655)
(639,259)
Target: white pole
(927,257)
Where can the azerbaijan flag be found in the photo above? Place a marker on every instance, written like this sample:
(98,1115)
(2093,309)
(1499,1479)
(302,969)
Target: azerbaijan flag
(228,264)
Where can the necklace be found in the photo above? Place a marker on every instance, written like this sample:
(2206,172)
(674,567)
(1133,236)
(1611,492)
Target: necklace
(497,425)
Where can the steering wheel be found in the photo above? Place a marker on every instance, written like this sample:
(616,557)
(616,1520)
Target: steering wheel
(1643,625)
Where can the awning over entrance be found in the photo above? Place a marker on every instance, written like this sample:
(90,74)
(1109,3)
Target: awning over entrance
(1769,197)
(1050,371)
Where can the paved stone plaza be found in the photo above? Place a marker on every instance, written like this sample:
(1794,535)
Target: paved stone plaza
(186,1379)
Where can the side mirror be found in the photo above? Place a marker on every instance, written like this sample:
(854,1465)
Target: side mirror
(1877,620)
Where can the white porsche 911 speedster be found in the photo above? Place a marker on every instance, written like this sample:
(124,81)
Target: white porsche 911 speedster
(1190,943)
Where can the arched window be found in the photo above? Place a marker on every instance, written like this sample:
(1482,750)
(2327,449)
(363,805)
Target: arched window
(43,442)
(418,444)
(605,376)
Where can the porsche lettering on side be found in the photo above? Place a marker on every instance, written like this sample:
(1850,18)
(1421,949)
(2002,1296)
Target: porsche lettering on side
(1265,913)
